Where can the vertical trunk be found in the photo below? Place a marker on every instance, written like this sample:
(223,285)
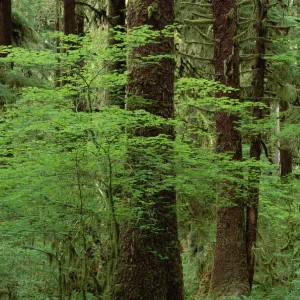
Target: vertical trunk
(116,14)
(149,265)
(229,274)
(69,17)
(255,147)
(277,131)
(5,30)
(286,160)
(5,23)
(79,19)
(116,17)
(57,82)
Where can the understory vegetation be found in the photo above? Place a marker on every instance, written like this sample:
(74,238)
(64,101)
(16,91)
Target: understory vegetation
(89,162)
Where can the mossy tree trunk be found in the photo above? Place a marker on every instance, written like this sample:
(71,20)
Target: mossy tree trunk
(258,87)
(229,274)
(149,264)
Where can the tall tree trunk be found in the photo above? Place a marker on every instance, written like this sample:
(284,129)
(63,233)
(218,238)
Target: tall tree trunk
(258,85)
(149,265)
(116,17)
(58,22)
(286,159)
(5,23)
(79,20)
(229,274)
(5,30)
(69,17)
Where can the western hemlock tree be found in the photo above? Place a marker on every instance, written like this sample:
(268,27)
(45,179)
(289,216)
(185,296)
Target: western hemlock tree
(149,265)
(258,88)
(229,274)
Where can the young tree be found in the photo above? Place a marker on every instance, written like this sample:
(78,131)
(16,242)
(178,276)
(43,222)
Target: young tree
(149,265)
(229,274)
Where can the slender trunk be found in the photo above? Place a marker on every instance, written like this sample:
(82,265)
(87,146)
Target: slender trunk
(258,85)
(149,265)
(79,20)
(229,274)
(57,82)
(116,20)
(286,159)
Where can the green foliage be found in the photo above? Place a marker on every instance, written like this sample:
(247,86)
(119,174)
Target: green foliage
(67,181)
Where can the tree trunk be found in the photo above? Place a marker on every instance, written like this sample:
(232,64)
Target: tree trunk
(5,23)
(229,274)
(5,30)
(116,17)
(286,159)
(69,17)
(149,265)
(258,85)
(79,20)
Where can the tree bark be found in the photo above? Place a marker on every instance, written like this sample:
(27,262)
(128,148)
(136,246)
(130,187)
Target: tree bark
(286,159)
(5,31)
(5,23)
(229,274)
(69,17)
(149,265)
(79,20)
(258,86)
(116,17)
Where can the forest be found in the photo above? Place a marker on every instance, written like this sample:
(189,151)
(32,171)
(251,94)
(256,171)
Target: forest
(149,149)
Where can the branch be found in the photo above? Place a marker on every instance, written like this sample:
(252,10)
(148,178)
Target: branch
(245,2)
(198,22)
(204,35)
(197,4)
(207,16)
(266,151)
(196,56)
(199,42)
(100,13)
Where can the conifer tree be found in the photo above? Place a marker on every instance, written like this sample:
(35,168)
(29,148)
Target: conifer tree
(229,274)
(258,87)
(149,265)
